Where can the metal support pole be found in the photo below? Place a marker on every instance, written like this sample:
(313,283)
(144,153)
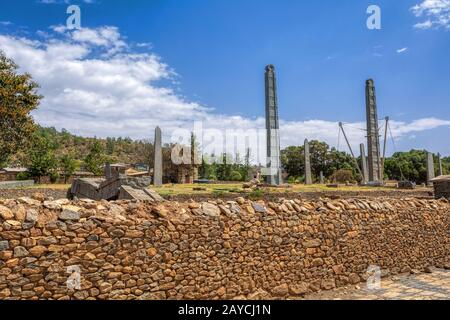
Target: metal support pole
(351,151)
(384,150)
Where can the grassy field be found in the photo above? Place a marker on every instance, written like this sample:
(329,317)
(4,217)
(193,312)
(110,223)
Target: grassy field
(225,188)
(50,186)
(175,189)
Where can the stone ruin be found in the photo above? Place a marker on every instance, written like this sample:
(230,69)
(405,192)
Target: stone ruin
(114,186)
(441,186)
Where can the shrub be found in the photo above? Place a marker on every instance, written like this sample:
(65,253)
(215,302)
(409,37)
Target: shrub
(54,177)
(293,180)
(22,176)
(235,176)
(342,176)
(219,193)
(256,195)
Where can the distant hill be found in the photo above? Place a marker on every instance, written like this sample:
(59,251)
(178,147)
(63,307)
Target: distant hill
(118,150)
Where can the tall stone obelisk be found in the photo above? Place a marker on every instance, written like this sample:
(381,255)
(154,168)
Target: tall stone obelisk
(157,168)
(107,171)
(430,168)
(373,137)
(321,178)
(308,176)
(365,177)
(441,171)
(272,126)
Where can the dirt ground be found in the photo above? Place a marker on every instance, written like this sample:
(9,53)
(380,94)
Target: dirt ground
(17,193)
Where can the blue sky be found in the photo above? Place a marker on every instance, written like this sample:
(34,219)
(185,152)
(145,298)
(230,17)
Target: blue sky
(207,61)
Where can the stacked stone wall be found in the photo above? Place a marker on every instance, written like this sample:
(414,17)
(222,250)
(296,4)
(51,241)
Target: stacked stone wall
(212,250)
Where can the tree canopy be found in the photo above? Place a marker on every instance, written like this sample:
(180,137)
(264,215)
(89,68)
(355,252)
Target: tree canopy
(323,158)
(18,97)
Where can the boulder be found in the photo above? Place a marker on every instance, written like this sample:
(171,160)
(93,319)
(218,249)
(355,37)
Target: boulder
(5,213)
(259,208)
(210,209)
(4,245)
(311,243)
(328,284)
(67,214)
(298,289)
(259,294)
(20,252)
(281,290)
(31,216)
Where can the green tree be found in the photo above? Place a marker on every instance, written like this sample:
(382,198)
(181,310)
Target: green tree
(342,176)
(339,160)
(110,145)
(41,158)
(293,161)
(18,97)
(208,170)
(407,165)
(95,159)
(446,165)
(224,168)
(244,169)
(320,157)
(68,165)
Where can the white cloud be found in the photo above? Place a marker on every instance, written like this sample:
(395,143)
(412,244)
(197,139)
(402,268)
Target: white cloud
(6,23)
(104,37)
(402,50)
(95,84)
(147,45)
(437,13)
(424,25)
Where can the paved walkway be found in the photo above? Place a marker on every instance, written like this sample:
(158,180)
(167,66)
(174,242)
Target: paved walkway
(426,286)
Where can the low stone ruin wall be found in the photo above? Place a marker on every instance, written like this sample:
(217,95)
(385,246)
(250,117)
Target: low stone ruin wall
(16,184)
(242,249)
(442,189)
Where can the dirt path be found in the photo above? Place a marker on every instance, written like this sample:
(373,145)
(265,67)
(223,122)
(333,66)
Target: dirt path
(425,286)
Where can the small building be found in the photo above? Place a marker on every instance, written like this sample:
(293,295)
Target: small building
(121,168)
(10,174)
(186,175)
(441,186)
(136,173)
(141,167)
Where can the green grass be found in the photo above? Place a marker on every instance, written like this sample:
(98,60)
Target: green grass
(215,189)
(234,188)
(49,186)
